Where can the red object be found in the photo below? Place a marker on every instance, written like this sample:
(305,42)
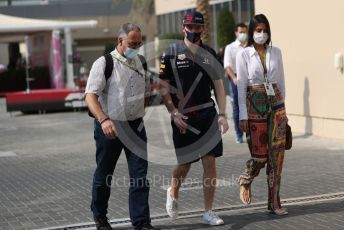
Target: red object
(154,87)
(39,100)
(3,94)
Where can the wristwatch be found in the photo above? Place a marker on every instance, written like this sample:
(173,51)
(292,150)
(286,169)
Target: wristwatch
(222,115)
(174,114)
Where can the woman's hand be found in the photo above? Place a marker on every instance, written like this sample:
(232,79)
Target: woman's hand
(243,124)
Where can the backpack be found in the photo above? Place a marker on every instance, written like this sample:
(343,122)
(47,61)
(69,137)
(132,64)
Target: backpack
(109,68)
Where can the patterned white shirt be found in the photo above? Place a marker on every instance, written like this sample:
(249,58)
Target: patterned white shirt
(122,96)
(250,71)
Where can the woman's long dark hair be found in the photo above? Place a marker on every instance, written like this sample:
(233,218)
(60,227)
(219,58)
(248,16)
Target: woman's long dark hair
(259,18)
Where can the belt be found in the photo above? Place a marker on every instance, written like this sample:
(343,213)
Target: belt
(260,86)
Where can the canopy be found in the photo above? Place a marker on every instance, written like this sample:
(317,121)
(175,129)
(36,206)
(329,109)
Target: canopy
(17,25)
(12,28)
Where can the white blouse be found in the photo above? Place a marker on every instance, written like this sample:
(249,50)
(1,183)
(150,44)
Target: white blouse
(250,71)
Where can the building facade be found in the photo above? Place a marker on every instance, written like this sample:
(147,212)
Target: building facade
(170,13)
(310,35)
(88,43)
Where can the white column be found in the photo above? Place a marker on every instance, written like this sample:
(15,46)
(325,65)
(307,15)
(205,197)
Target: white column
(215,27)
(157,54)
(69,53)
(239,11)
(27,77)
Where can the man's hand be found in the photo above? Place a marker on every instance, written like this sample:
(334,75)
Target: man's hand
(243,124)
(179,121)
(232,75)
(235,81)
(223,124)
(109,129)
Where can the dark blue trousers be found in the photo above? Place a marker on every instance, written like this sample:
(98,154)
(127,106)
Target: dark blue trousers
(132,138)
(235,104)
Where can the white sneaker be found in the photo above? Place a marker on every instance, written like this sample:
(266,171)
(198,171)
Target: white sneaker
(171,205)
(211,218)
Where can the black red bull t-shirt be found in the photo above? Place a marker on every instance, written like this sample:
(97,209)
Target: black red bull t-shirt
(190,76)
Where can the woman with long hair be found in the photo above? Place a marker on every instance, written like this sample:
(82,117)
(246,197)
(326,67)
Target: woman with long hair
(261,92)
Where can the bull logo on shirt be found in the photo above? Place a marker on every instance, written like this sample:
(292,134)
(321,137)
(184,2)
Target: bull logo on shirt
(206,61)
(181,57)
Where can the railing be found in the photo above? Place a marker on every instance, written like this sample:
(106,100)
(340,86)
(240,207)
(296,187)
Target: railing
(38,2)
(23,2)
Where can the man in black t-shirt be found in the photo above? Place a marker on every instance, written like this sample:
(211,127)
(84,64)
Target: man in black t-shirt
(188,71)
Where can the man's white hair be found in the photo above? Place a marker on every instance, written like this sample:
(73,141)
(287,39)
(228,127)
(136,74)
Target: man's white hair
(126,28)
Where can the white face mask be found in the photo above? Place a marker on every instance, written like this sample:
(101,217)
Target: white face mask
(260,38)
(242,37)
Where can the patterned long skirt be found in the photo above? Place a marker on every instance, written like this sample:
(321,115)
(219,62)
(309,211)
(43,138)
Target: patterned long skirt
(266,140)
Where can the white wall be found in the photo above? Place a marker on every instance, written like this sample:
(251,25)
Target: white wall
(310,33)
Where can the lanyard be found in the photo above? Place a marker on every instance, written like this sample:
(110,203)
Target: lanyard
(264,62)
(270,98)
(265,73)
(129,66)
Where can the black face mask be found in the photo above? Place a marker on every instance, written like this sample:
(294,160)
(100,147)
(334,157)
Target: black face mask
(193,36)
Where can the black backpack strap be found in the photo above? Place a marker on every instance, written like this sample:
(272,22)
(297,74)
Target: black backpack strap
(143,61)
(108,66)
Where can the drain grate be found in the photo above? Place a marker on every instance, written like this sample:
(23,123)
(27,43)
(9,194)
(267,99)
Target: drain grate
(188,214)
(7,154)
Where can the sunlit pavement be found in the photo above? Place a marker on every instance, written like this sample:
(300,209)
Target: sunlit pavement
(47,162)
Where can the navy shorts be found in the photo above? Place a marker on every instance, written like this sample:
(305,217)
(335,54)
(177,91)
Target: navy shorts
(204,137)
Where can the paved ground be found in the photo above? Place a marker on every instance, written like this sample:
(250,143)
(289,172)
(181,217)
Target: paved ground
(47,162)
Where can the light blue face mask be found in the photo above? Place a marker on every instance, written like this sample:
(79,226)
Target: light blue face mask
(242,37)
(131,53)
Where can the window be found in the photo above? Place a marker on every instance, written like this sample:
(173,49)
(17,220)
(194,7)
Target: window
(247,10)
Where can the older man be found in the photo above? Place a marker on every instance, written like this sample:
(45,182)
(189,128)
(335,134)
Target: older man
(117,103)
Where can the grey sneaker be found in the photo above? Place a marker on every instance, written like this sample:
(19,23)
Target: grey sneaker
(239,140)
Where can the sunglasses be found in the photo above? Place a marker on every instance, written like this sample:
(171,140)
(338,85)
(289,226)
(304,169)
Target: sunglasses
(135,45)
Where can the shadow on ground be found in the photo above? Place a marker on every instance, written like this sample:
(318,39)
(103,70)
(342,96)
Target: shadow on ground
(240,221)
